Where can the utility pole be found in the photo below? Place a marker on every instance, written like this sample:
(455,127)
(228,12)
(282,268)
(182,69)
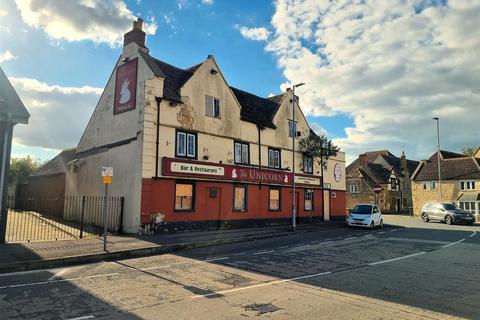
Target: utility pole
(294,204)
(438,159)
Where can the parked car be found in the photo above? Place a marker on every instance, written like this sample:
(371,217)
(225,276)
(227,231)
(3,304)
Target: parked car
(446,212)
(365,215)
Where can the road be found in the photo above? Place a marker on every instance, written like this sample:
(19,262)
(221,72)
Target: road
(422,271)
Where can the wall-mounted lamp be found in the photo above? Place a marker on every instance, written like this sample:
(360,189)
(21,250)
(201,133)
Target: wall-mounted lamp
(172,104)
(126,59)
(213,71)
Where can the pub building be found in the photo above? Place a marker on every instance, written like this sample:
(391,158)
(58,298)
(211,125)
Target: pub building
(191,152)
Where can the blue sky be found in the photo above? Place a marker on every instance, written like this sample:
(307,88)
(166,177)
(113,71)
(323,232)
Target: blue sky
(390,68)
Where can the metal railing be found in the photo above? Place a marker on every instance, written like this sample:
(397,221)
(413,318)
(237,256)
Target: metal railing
(55,218)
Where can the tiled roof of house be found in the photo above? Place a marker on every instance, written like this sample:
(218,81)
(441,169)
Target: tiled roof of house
(453,166)
(371,156)
(10,103)
(396,163)
(375,173)
(255,109)
(57,164)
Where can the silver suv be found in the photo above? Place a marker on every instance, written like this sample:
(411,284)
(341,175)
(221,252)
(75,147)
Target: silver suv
(446,212)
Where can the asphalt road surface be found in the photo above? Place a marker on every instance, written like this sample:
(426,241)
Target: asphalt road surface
(422,271)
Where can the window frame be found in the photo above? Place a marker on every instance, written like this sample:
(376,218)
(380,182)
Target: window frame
(305,156)
(305,192)
(354,190)
(193,184)
(467,185)
(186,134)
(279,198)
(245,188)
(213,106)
(279,157)
(394,184)
(294,128)
(242,144)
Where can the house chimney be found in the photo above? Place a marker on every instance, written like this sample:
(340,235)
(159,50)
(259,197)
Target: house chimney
(403,160)
(363,160)
(136,35)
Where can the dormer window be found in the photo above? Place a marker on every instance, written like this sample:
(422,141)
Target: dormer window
(394,184)
(212,107)
(292,128)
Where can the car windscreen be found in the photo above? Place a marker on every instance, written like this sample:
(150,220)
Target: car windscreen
(362,209)
(448,206)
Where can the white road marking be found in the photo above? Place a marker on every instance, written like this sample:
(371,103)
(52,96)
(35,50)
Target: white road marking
(283,247)
(58,274)
(473,234)
(270,283)
(82,318)
(351,238)
(451,244)
(263,252)
(18,273)
(216,259)
(395,259)
(55,281)
(416,240)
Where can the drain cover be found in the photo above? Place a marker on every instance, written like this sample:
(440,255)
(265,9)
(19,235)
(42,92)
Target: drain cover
(262,308)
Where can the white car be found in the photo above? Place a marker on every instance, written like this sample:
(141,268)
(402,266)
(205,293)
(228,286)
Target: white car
(365,215)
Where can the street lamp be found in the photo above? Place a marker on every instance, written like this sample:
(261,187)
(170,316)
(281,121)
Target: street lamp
(438,159)
(294,135)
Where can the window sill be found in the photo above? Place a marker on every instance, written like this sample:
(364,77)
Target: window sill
(184,210)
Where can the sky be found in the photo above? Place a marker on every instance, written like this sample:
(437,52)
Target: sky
(376,72)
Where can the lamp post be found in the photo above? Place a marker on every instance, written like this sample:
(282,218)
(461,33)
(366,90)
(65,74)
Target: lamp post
(294,135)
(438,159)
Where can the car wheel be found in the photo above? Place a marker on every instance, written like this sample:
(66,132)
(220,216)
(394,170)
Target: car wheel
(381,224)
(372,225)
(425,217)
(448,220)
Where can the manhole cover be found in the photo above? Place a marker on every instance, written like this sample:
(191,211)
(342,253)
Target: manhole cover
(262,308)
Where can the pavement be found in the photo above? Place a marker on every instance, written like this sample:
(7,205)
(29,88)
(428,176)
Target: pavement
(418,271)
(51,254)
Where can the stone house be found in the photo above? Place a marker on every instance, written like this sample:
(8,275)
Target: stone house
(384,169)
(460,181)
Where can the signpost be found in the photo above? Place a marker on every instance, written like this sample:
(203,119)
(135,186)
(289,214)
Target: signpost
(377,189)
(107,174)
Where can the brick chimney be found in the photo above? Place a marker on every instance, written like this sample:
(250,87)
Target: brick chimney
(363,160)
(403,160)
(136,35)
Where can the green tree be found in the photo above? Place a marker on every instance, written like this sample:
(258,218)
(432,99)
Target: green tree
(320,148)
(21,168)
(469,151)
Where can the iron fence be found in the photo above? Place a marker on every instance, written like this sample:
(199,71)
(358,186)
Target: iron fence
(31,219)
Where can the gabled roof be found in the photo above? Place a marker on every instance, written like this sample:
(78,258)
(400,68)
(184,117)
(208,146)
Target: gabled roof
(453,166)
(174,77)
(57,164)
(10,104)
(376,173)
(396,163)
(371,156)
(256,109)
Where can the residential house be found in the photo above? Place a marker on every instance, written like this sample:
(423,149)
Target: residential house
(192,152)
(386,170)
(460,181)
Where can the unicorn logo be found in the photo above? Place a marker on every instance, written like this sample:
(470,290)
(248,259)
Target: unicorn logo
(234,173)
(125,93)
(286,179)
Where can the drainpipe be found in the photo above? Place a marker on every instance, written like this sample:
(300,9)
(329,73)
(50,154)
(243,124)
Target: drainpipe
(159,100)
(259,154)
(3,177)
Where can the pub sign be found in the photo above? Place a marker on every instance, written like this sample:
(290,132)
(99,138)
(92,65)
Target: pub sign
(126,87)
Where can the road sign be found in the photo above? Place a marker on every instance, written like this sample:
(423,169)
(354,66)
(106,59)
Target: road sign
(107,171)
(107,180)
(377,188)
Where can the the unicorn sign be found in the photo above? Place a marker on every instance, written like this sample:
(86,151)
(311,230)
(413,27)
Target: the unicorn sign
(126,87)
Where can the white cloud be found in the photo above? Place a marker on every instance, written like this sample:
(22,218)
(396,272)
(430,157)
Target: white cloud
(3,13)
(6,56)
(58,115)
(101,21)
(207,2)
(391,66)
(258,34)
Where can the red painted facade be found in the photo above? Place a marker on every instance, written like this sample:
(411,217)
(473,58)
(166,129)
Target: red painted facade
(158,196)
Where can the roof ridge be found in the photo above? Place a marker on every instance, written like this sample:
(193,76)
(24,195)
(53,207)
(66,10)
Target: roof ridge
(253,94)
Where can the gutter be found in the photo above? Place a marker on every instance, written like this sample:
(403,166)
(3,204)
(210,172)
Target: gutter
(159,100)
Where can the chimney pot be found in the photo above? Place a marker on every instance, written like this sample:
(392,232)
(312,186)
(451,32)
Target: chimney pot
(136,35)
(138,24)
(403,160)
